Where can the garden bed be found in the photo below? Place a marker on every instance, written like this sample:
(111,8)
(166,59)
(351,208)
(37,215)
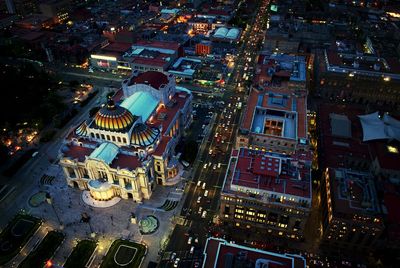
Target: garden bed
(44,251)
(15,235)
(81,254)
(124,253)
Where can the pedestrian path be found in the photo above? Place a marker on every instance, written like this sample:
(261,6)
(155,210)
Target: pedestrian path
(64,250)
(32,243)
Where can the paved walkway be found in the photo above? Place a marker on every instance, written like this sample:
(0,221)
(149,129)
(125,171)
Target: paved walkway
(33,242)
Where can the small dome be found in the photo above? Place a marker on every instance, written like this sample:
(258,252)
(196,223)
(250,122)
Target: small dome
(114,117)
(143,135)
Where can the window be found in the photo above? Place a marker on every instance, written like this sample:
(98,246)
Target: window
(124,139)
(119,139)
(92,135)
(113,138)
(103,137)
(97,135)
(108,137)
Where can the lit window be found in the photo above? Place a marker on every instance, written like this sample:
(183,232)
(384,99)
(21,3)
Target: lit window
(392,149)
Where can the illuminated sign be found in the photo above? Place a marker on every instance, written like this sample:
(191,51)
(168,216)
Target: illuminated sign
(101,57)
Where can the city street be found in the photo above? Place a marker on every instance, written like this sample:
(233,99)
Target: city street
(202,198)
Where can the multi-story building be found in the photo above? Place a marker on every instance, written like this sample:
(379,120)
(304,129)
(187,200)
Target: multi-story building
(128,146)
(219,253)
(346,71)
(282,71)
(267,192)
(360,155)
(153,55)
(352,215)
(55,9)
(275,119)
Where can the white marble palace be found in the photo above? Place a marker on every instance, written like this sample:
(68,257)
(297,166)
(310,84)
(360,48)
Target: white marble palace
(128,146)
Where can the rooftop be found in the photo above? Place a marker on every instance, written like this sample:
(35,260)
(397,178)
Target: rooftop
(265,173)
(353,193)
(140,104)
(152,78)
(277,66)
(165,46)
(276,113)
(166,113)
(219,253)
(342,136)
(105,152)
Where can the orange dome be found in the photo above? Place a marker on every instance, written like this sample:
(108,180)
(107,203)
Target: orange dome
(114,118)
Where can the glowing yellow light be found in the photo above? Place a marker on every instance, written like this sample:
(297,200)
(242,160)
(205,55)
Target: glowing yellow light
(392,149)
(102,57)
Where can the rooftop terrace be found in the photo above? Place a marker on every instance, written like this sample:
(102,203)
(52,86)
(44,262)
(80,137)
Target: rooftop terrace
(263,174)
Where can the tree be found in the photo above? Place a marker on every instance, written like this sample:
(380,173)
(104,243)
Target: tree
(190,150)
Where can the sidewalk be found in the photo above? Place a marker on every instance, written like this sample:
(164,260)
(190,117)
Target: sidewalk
(30,245)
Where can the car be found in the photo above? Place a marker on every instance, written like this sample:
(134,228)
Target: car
(214,166)
(219,165)
(192,250)
(173,255)
(196,264)
(176,263)
(200,210)
(210,151)
(206,193)
(35,154)
(205,166)
(198,183)
(199,200)
(196,240)
(204,214)
(190,240)
(203,186)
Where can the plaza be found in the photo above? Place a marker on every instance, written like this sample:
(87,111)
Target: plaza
(68,213)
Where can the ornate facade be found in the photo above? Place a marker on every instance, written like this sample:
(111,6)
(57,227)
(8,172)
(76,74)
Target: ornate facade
(128,146)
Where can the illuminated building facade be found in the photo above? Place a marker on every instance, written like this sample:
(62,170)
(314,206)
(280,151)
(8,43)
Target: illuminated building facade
(352,216)
(58,10)
(128,146)
(267,192)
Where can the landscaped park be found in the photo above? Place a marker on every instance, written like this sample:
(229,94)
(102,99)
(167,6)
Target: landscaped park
(15,236)
(81,254)
(124,253)
(44,251)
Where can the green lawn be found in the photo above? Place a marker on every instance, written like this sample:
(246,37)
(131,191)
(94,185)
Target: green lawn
(15,235)
(139,251)
(44,251)
(81,254)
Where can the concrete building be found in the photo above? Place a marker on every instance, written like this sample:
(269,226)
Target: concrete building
(281,70)
(267,192)
(219,253)
(153,55)
(128,146)
(276,120)
(58,10)
(352,217)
